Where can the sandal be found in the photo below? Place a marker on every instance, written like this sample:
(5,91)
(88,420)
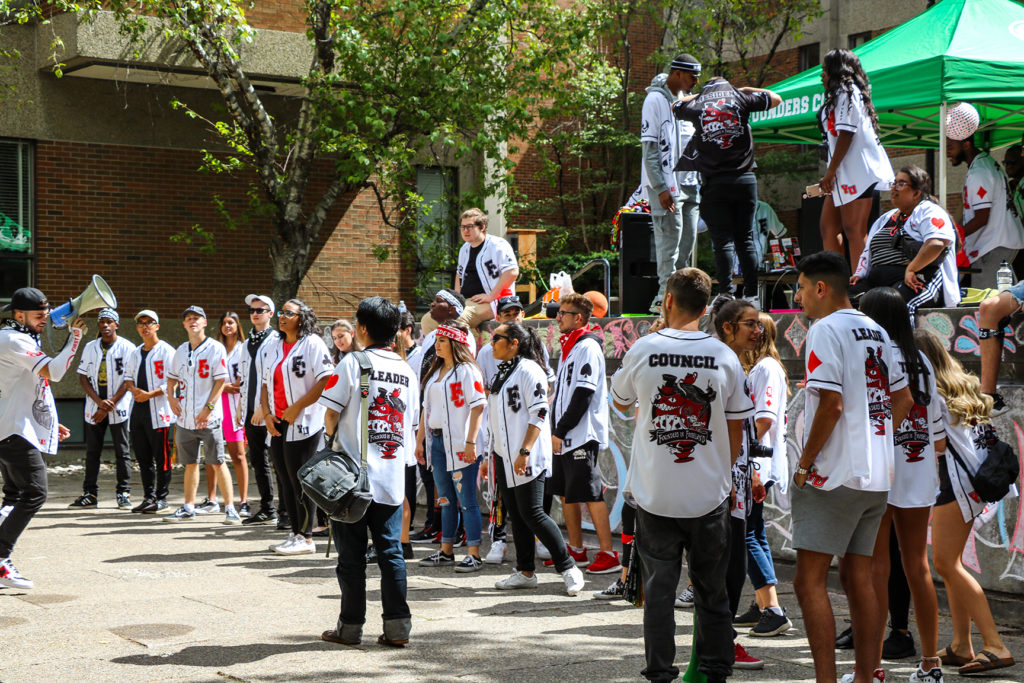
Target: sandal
(381,640)
(951,658)
(985,661)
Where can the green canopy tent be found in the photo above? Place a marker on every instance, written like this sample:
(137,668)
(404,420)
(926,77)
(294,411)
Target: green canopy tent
(957,50)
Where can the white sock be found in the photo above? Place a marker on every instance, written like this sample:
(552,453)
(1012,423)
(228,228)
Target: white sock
(229,508)
(577,550)
(776,610)
(189,507)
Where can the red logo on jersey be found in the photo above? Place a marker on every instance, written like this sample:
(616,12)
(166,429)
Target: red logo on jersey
(831,124)
(812,363)
(720,123)
(879,402)
(331,382)
(204,368)
(981,193)
(938,222)
(386,420)
(479,387)
(912,435)
(34,354)
(680,413)
(458,397)
(158,368)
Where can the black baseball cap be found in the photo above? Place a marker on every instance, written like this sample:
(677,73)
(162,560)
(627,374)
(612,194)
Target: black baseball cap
(198,310)
(507,302)
(27,299)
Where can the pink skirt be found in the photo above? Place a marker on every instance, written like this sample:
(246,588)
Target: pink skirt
(231,435)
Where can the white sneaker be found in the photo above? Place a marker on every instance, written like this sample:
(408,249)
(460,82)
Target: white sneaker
(288,541)
(516,580)
(12,578)
(208,507)
(231,516)
(685,598)
(573,581)
(496,555)
(878,675)
(933,676)
(541,551)
(300,545)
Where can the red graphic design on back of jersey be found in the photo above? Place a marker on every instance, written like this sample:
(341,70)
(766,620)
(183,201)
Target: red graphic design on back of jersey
(720,123)
(912,435)
(879,403)
(386,420)
(680,413)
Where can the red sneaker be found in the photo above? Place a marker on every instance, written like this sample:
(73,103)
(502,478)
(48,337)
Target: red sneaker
(605,563)
(744,661)
(580,557)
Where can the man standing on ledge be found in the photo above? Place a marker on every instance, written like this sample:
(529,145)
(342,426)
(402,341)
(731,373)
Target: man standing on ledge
(28,416)
(856,392)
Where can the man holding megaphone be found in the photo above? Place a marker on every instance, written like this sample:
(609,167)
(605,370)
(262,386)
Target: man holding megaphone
(28,414)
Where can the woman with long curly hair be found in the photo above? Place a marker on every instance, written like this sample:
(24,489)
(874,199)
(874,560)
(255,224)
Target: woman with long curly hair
(858,167)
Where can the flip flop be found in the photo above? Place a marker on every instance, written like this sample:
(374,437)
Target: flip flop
(985,661)
(950,658)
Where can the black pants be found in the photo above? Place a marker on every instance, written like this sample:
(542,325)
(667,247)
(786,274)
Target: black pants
(662,542)
(94,434)
(257,439)
(153,453)
(736,574)
(427,477)
(628,528)
(899,589)
(528,520)
(24,472)
(289,457)
(727,205)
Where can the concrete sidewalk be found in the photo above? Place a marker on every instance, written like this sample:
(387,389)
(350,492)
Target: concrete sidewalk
(123,597)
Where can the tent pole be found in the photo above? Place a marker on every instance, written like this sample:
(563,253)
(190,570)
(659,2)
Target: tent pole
(940,163)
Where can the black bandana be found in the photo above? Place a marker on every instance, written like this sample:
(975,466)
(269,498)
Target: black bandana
(505,370)
(18,327)
(255,339)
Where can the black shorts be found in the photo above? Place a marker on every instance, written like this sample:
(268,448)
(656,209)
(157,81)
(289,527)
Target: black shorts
(946,494)
(575,475)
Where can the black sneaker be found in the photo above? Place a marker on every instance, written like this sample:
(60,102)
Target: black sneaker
(771,624)
(141,507)
(898,645)
(613,592)
(844,641)
(261,517)
(998,404)
(124,500)
(86,500)
(470,563)
(283,523)
(437,559)
(407,552)
(160,504)
(371,555)
(424,536)
(749,618)
(244,510)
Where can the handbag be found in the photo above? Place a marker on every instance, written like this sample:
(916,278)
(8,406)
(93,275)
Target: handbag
(997,472)
(334,480)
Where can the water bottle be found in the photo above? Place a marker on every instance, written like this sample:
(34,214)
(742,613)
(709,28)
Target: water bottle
(1004,277)
(403,309)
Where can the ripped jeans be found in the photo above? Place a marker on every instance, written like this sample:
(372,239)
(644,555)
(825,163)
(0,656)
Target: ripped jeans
(457,485)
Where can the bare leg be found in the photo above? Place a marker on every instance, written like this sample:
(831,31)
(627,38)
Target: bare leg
(602,526)
(766,597)
(191,483)
(855,574)
(224,481)
(573,523)
(236,449)
(406,518)
(211,482)
(831,227)
(855,225)
(811,591)
(912,533)
(990,312)
(880,579)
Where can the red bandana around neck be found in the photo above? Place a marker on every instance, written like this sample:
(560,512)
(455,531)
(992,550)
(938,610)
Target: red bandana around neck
(569,339)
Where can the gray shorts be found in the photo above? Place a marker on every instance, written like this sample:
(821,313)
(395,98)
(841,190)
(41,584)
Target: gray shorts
(837,522)
(188,440)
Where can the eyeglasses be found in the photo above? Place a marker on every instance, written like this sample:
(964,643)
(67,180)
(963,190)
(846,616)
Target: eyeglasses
(496,337)
(140,323)
(753,324)
(468,227)
(561,313)
(900,184)
(254,311)
(287,314)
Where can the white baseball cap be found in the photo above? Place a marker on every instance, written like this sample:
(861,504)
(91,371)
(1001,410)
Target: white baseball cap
(261,297)
(962,120)
(147,313)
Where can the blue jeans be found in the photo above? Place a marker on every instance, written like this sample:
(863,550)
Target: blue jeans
(760,567)
(461,485)
(384,524)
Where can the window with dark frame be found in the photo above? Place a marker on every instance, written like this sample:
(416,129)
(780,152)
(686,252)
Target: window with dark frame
(857,39)
(17,217)
(437,186)
(810,56)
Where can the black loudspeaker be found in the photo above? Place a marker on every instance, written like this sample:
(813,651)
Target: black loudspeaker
(638,270)
(810,218)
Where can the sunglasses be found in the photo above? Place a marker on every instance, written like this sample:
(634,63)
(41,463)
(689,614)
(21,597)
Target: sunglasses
(496,337)
(287,314)
(253,311)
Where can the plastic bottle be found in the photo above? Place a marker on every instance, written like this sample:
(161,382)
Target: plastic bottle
(1004,277)
(403,309)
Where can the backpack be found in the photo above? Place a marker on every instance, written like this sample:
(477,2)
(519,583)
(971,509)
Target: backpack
(997,472)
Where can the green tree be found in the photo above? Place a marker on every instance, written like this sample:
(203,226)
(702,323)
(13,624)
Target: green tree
(391,83)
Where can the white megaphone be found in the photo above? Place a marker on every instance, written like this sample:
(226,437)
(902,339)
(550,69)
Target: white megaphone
(97,295)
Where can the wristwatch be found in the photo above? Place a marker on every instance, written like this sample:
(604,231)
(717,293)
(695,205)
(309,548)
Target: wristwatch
(209,406)
(801,470)
(524,452)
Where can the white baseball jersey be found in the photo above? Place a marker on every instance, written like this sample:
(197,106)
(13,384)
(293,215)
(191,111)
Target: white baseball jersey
(495,258)
(971,443)
(236,402)
(245,360)
(687,386)
(449,399)
(117,366)
(928,220)
(915,478)
(158,360)
(866,162)
(394,395)
(847,352)
(986,188)
(426,350)
(27,408)
(196,371)
(583,367)
(768,391)
(521,401)
(307,363)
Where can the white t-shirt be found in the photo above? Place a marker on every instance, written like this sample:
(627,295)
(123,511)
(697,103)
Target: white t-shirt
(928,220)
(584,367)
(27,408)
(971,444)
(196,371)
(687,385)
(866,162)
(158,360)
(521,401)
(117,366)
(915,477)
(494,258)
(847,352)
(986,188)
(394,395)
(307,362)
(450,398)
(768,391)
